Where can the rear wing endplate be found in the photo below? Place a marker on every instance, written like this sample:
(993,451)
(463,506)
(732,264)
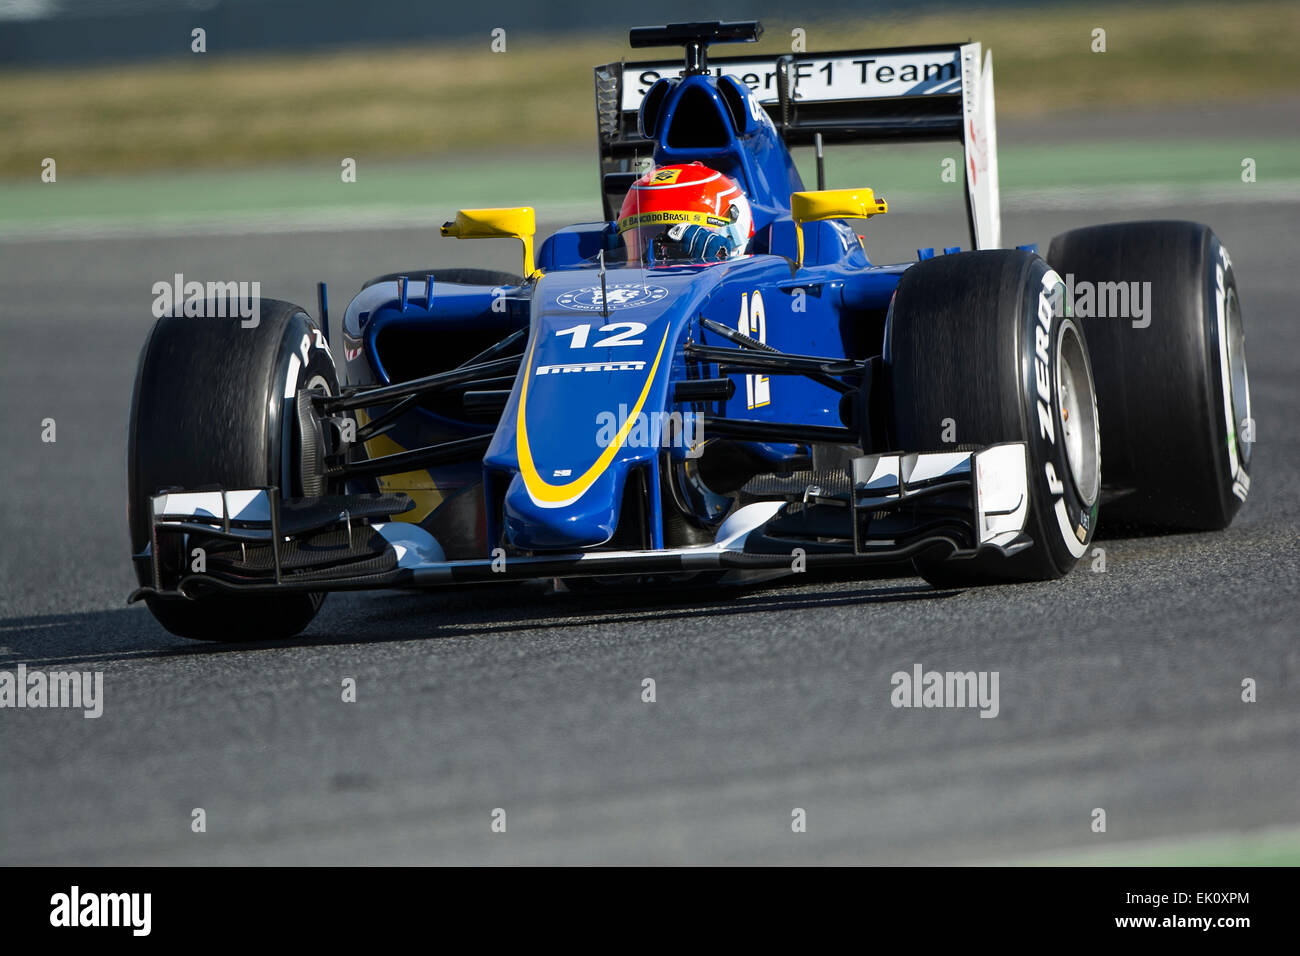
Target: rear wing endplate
(942,92)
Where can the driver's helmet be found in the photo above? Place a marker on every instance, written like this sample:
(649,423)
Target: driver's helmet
(685,212)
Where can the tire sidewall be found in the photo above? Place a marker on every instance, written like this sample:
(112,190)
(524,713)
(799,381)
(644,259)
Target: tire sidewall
(304,361)
(1232,455)
(1061,520)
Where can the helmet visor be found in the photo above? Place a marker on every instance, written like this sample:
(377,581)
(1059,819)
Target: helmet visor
(645,234)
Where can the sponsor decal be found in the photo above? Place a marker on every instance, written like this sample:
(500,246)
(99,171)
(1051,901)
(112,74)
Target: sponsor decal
(671,217)
(1048,296)
(979,151)
(620,295)
(635,366)
(817,78)
(665,176)
(1042,358)
(546,495)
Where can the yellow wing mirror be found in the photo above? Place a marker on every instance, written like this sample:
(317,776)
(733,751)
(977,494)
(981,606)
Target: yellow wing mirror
(833,204)
(516,222)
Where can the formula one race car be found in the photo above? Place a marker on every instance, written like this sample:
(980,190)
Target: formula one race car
(713,382)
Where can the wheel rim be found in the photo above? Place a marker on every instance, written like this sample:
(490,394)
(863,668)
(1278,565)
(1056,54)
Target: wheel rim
(1238,383)
(1076,410)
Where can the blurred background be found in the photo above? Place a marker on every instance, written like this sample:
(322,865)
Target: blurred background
(147,132)
(1121,689)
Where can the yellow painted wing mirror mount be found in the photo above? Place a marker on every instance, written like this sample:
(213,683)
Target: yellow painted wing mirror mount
(819,204)
(514,222)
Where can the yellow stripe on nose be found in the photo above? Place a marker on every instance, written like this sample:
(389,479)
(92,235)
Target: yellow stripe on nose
(546,495)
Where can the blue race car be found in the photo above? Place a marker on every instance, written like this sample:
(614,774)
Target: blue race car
(714,382)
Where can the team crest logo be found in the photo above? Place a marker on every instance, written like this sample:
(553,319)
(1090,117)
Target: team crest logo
(620,295)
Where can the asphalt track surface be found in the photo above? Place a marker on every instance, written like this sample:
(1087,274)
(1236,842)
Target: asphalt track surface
(1119,690)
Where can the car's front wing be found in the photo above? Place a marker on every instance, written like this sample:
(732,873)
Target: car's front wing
(888,508)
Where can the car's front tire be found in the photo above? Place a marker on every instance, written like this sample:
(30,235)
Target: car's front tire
(215,403)
(976,353)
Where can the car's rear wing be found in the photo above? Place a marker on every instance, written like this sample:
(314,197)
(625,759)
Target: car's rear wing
(939,92)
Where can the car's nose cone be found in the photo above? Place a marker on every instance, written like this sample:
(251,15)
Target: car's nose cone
(586,523)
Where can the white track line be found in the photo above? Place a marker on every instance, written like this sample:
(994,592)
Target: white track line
(428,217)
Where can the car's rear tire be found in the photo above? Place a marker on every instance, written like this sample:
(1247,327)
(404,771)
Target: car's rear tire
(1172,384)
(215,403)
(976,354)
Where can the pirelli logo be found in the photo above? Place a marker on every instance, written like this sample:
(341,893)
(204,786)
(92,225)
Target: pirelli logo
(631,366)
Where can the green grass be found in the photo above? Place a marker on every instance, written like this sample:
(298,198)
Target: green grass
(565,185)
(418,102)
(1278,847)
(307,186)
